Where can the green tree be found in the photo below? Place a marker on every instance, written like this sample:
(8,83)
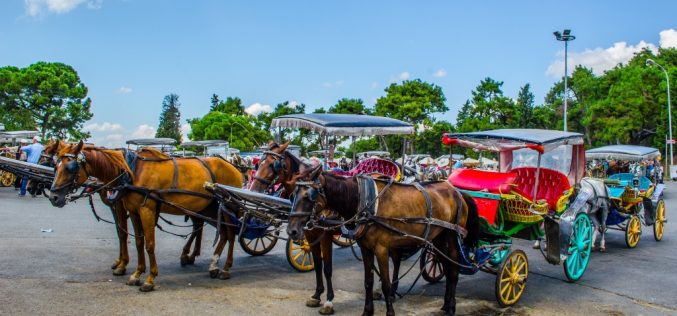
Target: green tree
(49,96)
(488,109)
(525,107)
(350,106)
(238,130)
(232,105)
(170,118)
(430,139)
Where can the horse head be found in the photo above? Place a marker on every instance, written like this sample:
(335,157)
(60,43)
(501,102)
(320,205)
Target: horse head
(69,171)
(275,167)
(308,200)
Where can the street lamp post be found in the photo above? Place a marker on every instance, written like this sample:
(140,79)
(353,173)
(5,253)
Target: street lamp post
(565,37)
(651,62)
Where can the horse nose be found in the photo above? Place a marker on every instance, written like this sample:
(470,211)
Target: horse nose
(293,234)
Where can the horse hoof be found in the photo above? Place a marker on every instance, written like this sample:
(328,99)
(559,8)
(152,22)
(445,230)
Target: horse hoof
(119,271)
(115,265)
(377,296)
(602,249)
(313,302)
(191,260)
(133,282)
(224,275)
(146,287)
(213,273)
(184,261)
(327,310)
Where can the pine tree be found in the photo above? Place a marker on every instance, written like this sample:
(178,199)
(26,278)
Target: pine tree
(170,118)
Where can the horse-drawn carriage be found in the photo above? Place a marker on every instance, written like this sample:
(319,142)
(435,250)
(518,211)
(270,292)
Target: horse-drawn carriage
(532,196)
(635,193)
(273,212)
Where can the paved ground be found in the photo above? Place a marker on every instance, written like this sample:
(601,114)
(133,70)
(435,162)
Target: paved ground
(66,271)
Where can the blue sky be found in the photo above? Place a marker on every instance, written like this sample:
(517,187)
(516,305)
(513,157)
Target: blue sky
(131,53)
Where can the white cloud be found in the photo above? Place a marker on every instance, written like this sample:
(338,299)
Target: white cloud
(124,90)
(38,7)
(104,127)
(602,59)
(144,131)
(336,83)
(185,129)
(374,85)
(257,108)
(440,73)
(668,38)
(404,75)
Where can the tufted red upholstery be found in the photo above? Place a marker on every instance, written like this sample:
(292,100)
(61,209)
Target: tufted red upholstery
(372,165)
(480,180)
(551,186)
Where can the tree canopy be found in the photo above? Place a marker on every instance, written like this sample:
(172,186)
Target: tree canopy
(170,118)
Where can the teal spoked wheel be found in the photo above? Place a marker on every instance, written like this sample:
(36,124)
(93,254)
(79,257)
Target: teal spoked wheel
(580,245)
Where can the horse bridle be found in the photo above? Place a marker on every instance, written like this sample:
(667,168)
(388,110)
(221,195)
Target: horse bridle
(278,166)
(313,194)
(73,166)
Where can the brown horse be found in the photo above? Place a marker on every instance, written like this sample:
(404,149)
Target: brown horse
(160,184)
(400,212)
(278,166)
(119,266)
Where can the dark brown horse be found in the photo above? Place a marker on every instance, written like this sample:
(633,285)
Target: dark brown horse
(400,212)
(278,166)
(162,184)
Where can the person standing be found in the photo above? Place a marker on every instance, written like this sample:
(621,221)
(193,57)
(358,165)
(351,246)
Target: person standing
(33,153)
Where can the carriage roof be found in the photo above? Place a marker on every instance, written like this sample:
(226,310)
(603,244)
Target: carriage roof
(512,139)
(211,142)
(344,124)
(623,152)
(151,141)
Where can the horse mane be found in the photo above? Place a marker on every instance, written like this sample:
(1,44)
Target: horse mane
(296,163)
(341,193)
(110,167)
(149,152)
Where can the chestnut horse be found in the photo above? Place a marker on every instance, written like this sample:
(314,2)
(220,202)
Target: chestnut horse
(119,266)
(321,244)
(160,184)
(402,221)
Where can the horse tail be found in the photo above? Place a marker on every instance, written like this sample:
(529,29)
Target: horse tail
(472,225)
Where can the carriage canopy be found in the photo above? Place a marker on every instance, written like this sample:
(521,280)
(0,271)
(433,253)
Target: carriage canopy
(623,152)
(344,124)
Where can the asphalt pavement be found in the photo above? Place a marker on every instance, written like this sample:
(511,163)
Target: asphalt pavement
(56,261)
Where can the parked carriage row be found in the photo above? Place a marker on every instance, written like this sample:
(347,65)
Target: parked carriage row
(538,193)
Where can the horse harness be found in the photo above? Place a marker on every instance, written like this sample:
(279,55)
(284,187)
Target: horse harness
(278,166)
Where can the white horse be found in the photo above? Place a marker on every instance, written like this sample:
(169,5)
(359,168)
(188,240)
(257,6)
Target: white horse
(598,206)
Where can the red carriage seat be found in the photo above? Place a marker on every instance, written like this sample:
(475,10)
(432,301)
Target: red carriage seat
(485,181)
(480,180)
(373,165)
(551,184)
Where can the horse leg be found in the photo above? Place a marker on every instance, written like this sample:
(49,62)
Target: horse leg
(198,231)
(383,259)
(604,214)
(214,265)
(148,221)
(139,238)
(327,249)
(451,274)
(230,234)
(316,252)
(120,219)
(190,259)
(397,260)
(368,261)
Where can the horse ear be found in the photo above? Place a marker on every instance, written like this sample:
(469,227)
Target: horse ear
(79,146)
(315,172)
(283,147)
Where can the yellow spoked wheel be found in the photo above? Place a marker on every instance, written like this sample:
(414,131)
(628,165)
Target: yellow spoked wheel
(7,178)
(511,279)
(341,241)
(258,246)
(299,256)
(659,225)
(633,231)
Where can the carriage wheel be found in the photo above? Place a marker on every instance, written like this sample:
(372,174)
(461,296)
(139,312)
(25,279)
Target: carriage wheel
(511,279)
(341,241)
(258,246)
(580,245)
(432,269)
(633,231)
(299,256)
(7,178)
(659,225)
